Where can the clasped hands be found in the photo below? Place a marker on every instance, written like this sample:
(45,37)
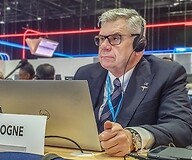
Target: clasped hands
(115,140)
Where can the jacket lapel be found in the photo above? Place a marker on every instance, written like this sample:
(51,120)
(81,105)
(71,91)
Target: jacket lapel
(97,83)
(136,90)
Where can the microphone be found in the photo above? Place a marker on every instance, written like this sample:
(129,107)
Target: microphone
(21,63)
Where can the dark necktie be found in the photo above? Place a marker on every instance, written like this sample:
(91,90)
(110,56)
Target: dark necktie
(115,99)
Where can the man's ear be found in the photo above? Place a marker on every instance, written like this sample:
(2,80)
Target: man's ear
(139,53)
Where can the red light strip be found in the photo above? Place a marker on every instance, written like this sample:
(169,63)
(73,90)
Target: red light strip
(188,24)
(51,33)
(48,33)
(170,24)
(83,31)
(96,30)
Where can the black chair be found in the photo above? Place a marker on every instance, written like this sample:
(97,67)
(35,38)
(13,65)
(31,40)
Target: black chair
(28,156)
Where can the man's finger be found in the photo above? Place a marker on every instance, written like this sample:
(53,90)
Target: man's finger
(108,125)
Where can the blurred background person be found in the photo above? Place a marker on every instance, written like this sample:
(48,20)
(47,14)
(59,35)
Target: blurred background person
(26,72)
(45,72)
(168,59)
(1,76)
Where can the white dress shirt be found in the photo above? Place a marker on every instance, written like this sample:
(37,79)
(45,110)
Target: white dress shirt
(146,136)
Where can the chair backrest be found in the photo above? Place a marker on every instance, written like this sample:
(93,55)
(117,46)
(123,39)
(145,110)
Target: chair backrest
(28,156)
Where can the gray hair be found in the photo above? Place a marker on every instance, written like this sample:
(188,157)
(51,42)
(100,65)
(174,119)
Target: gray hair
(134,19)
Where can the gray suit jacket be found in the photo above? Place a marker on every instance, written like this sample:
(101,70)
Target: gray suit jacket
(162,107)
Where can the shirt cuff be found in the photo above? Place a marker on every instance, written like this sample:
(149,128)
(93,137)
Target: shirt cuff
(146,137)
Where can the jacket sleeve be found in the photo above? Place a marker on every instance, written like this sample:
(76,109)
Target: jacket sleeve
(174,121)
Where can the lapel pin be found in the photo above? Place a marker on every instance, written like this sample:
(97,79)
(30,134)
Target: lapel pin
(144,86)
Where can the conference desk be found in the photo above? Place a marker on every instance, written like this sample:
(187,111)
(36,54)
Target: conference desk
(76,154)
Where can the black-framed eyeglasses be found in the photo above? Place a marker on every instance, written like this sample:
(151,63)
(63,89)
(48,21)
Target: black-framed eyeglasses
(114,39)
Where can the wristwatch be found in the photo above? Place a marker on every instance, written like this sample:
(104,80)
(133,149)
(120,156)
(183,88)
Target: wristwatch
(136,139)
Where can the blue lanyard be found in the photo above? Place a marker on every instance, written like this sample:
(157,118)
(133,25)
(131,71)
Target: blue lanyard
(111,107)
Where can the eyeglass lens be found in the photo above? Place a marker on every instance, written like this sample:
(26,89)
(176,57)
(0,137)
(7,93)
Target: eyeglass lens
(112,39)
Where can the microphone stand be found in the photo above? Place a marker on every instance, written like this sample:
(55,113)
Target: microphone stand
(22,63)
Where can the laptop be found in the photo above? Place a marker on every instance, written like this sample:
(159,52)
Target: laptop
(67,105)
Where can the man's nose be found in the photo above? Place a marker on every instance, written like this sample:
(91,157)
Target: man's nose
(105,43)
(106,46)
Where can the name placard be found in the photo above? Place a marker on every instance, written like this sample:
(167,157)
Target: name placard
(24,133)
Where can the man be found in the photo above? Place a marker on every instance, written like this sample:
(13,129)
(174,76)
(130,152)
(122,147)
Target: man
(45,72)
(153,107)
(26,72)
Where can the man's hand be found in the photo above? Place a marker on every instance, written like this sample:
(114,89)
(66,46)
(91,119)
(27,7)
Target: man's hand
(115,140)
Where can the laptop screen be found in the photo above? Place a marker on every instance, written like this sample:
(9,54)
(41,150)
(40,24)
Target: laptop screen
(67,105)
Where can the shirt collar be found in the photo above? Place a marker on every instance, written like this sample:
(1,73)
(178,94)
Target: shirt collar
(124,79)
